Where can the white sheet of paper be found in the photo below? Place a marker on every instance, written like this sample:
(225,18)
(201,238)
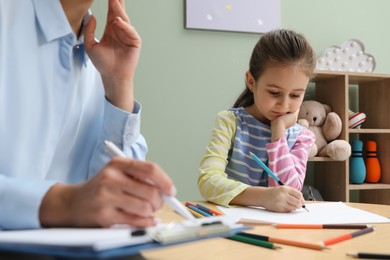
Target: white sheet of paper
(319,213)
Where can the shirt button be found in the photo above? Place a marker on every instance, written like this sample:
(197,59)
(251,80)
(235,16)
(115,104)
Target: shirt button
(129,137)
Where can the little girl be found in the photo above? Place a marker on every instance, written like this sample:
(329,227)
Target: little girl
(263,121)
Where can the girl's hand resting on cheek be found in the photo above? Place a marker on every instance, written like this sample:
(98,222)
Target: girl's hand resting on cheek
(281,123)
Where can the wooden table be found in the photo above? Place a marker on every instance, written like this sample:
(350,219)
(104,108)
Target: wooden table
(221,248)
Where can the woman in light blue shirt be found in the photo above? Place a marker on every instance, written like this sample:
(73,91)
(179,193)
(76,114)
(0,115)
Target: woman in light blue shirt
(62,94)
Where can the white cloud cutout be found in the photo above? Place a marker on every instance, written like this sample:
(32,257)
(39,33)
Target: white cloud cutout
(349,56)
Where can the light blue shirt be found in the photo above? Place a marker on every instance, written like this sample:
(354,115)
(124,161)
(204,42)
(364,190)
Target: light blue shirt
(53,113)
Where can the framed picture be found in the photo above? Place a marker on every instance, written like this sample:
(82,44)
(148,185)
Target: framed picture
(252,16)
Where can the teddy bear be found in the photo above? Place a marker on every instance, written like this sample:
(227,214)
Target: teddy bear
(326,126)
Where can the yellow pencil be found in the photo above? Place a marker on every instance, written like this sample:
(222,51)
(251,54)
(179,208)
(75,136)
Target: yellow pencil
(196,214)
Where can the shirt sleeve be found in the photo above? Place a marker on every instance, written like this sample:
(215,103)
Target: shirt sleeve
(123,129)
(20,200)
(290,165)
(213,182)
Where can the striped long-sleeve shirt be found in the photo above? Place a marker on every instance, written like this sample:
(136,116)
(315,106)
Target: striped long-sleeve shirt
(227,169)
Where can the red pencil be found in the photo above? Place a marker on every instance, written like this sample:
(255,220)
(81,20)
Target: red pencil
(348,236)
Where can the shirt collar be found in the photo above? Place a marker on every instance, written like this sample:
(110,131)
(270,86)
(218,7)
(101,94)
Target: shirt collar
(51,19)
(53,23)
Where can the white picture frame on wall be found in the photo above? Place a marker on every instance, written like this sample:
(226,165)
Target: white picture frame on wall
(251,16)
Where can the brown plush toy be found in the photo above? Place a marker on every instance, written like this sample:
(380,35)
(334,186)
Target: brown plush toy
(326,126)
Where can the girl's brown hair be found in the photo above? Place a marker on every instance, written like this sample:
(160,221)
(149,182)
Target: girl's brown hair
(278,47)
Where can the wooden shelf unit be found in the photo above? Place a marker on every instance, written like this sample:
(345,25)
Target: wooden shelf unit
(373,94)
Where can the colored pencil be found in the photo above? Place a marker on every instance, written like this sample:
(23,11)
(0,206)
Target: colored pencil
(194,208)
(341,238)
(370,255)
(253,241)
(196,214)
(265,167)
(207,210)
(320,226)
(268,170)
(284,241)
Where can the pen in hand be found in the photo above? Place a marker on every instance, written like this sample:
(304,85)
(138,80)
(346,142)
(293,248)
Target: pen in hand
(268,170)
(170,200)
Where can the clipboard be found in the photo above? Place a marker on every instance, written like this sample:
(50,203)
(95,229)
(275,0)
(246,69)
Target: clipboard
(115,242)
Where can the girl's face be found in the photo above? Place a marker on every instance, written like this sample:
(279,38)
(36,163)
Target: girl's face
(278,91)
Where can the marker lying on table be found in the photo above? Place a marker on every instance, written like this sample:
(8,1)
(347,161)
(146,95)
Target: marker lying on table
(268,170)
(170,200)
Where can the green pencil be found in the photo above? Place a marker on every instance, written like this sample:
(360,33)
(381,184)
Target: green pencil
(253,241)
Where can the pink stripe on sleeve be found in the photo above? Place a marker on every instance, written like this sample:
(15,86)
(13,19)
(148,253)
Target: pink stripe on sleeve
(290,165)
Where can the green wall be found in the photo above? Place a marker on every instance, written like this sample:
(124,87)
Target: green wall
(186,76)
